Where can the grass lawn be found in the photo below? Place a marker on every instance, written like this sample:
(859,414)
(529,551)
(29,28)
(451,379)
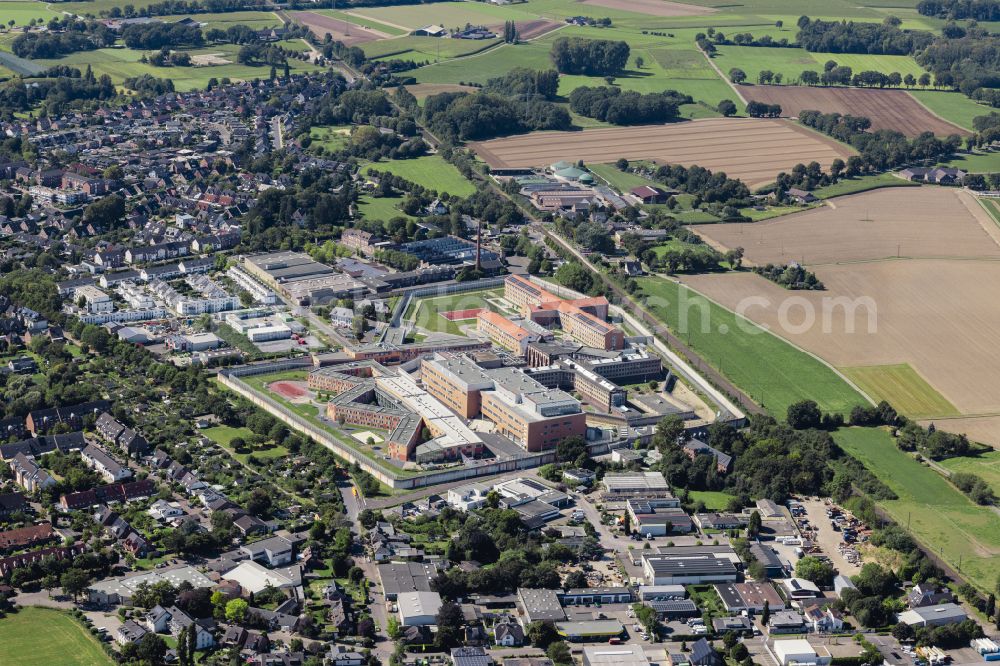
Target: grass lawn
(623,181)
(680,246)
(774,373)
(329,137)
(714,500)
(977,162)
(224,435)
(426,312)
(992,207)
(862,184)
(425,48)
(952,106)
(985,465)
(380,208)
(791,62)
(448,14)
(937,514)
(66,641)
(430,171)
(225,20)
(903,388)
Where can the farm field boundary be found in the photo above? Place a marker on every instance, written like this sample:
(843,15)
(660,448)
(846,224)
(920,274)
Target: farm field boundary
(903,388)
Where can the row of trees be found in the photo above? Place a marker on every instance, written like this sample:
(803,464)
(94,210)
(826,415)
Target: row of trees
(37,45)
(762,110)
(627,108)
(589,57)
(881,149)
(884,38)
(792,276)
(156,35)
(523,83)
(977,10)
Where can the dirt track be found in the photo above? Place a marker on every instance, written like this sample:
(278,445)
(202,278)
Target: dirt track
(887,109)
(652,7)
(754,150)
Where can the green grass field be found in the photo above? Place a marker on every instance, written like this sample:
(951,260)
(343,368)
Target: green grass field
(903,388)
(977,162)
(420,49)
(380,208)
(985,465)
(791,62)
(426,312)
(330,138)
(992,207)
(21,12)
(862,184)
(774,373)
(448,14)
(952,106)
(63,640)
(430,171)
(714,500)
(623,181)
(121,63)
(224,435)
(935,512)
(222,21)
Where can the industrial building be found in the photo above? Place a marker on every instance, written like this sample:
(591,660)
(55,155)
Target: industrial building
(637,485)
(614,655)
(651,517)
(418,609)
(688,570)
(302,280)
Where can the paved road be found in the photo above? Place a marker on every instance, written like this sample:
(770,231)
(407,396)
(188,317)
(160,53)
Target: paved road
(608,538)
(277,133)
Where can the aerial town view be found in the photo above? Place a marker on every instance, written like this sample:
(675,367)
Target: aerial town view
(499,332)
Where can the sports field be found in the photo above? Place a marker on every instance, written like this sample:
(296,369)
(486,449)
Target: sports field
(42,637)
(887,109)
(936,512)
(754,150)
(430,171)
(902,387)
(774,373)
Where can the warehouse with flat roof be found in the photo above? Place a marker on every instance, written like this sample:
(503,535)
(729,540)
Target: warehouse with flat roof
(618,655)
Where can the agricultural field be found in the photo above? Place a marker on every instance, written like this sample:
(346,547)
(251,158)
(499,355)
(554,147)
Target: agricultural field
(860,184)
(790,62)
(754,150)
(887,109)
(341,16)
(66,641)
(122,63)
(976,162)
(880,309)
(903,387)
(952,106)
(936,512)
(224,20)
(321,25)
(21,12)
(925,222)
(430,171)
(426,49)
(985,465)
(992,206)
(424,90)
(447,14)
(656,8)
(774,373)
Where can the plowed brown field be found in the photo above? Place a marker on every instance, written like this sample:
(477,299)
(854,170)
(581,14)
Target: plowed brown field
(320,25)
(754,150)
(887,109)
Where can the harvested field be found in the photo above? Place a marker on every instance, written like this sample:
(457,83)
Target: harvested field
(929,314)
(887,109)
(922,222)
(982,429)
(754,150)
(531,29)
(320,25)
(652,7)
(903,387)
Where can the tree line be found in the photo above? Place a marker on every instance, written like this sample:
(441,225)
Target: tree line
(977,10)
(523,83)
(618,107)
(881,149)
(792,277)
(79,37)
(763,110)
(589,57)
(884,38)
